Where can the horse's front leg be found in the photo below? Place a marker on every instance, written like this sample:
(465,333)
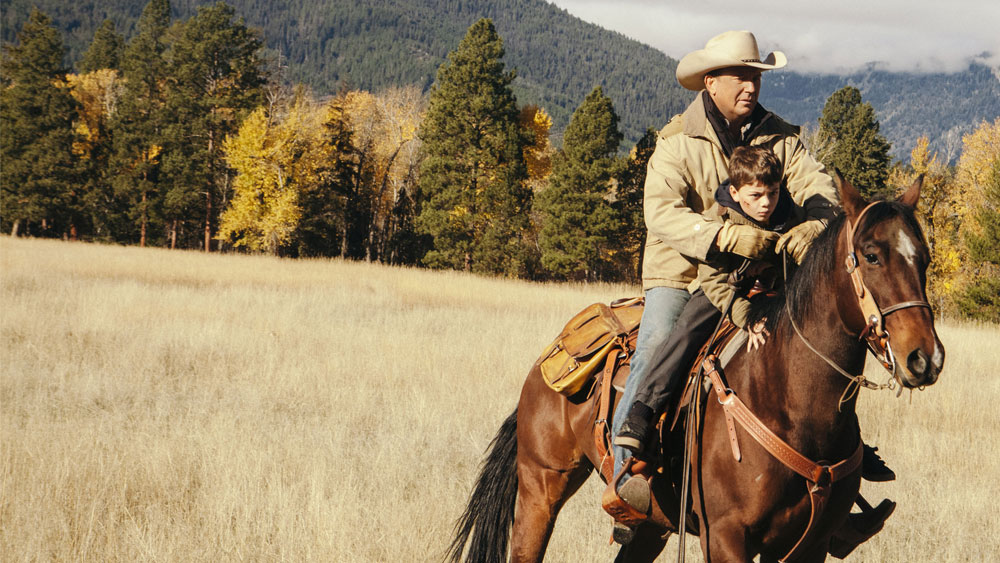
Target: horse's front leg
(725,541)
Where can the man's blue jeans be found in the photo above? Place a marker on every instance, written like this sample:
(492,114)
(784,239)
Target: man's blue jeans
(663,306)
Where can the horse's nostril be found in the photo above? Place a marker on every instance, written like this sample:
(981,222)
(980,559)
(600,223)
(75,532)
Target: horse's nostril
(918,362)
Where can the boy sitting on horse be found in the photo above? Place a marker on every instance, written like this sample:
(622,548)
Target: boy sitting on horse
(753,196)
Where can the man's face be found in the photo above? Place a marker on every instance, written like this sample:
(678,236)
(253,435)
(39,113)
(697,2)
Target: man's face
(735,91)
(757,200)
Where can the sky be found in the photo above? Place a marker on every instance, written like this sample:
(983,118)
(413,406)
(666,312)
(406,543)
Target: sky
(832,36)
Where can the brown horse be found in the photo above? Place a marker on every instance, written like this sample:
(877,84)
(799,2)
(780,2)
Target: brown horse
(545,450)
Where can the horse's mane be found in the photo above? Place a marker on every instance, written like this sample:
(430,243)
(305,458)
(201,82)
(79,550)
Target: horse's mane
(819,262)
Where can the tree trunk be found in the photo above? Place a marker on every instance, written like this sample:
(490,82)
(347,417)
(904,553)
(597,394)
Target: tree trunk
(173,235)
(143,220)
(343,238)
(15,228)
(208,220)
(208,198)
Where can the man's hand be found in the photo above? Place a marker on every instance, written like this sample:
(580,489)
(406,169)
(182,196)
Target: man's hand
(798,240)
(757,335)
(745,240)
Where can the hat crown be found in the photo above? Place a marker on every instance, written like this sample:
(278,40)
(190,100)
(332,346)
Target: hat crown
(740,45)
(729,49)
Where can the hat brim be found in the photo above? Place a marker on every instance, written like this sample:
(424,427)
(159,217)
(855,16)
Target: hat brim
(691,70)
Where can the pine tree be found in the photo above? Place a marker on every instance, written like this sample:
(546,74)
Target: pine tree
(474,199)
(214,81)
(631,236)
(98,92)
(105,51)
(404,243)
(978,212)
(335,205)
(856,148)
(39,175)
(577,213)
(137,127)
(982,298)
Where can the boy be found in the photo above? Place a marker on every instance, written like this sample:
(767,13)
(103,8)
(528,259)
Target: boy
(752,196)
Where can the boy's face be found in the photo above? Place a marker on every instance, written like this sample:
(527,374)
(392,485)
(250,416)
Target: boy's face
(757,200)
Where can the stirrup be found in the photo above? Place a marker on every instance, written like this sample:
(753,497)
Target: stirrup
(620,509)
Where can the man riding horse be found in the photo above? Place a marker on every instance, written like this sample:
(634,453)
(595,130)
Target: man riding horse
(686,169)
(777,467)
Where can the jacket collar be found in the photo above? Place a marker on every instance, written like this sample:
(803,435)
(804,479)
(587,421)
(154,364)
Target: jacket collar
(697,123)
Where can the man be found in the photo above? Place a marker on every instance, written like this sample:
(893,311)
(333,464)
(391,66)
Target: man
(688,165)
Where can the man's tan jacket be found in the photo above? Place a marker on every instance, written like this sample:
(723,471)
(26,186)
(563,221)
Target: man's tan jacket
(686,168)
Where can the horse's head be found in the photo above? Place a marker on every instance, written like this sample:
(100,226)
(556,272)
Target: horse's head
(887,257)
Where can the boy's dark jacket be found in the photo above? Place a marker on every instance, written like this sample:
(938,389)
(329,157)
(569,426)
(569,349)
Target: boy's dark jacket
(713,274)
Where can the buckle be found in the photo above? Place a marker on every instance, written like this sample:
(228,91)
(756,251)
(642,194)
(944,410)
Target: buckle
(851,262)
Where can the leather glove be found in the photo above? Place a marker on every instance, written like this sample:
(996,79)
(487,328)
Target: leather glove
(798,240)
(745,240)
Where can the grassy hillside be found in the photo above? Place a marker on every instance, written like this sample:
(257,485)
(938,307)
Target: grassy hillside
(177,406)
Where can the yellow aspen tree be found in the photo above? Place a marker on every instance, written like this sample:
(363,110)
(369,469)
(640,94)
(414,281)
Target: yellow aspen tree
(976,206)
(937,215)
(537,154)
(384,131)
(98,93)
(979,150)
(273,162)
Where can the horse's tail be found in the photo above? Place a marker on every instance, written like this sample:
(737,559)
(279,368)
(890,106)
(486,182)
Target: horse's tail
(490,513)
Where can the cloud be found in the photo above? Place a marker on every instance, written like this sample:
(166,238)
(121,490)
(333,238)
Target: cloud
(899,35)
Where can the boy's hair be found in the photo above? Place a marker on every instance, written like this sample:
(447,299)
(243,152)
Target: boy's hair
(750,164)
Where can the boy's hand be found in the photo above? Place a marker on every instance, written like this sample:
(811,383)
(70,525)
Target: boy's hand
(798,240)
(757,335)
(745,240)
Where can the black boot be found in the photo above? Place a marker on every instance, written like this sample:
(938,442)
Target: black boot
(635,429)
(860,526)
(873,468)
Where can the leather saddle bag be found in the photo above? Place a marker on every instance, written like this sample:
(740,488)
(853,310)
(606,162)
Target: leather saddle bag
(574,357)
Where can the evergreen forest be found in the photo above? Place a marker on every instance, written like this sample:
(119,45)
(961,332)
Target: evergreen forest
(460,143)
(559,59)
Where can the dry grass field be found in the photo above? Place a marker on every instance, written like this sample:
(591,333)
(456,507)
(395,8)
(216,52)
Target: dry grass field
(175,406)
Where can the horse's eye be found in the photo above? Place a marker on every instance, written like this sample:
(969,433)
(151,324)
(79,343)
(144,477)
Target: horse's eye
(871,258)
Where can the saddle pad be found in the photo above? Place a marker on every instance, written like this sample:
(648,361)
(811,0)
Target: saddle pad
(729,350)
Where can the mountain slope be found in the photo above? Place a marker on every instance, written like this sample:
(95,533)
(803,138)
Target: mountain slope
(559,59)
(942,106)
(330,44)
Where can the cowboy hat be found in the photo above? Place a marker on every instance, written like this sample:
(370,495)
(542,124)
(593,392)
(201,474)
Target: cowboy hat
(732,48)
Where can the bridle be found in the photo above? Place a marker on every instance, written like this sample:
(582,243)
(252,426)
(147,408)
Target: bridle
(875,334)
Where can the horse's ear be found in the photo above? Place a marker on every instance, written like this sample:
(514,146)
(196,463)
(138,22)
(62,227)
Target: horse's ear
(849,197)
(912,194)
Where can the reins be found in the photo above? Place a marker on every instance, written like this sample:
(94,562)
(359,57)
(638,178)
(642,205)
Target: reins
(875,335)
(819,476)
(856,381)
